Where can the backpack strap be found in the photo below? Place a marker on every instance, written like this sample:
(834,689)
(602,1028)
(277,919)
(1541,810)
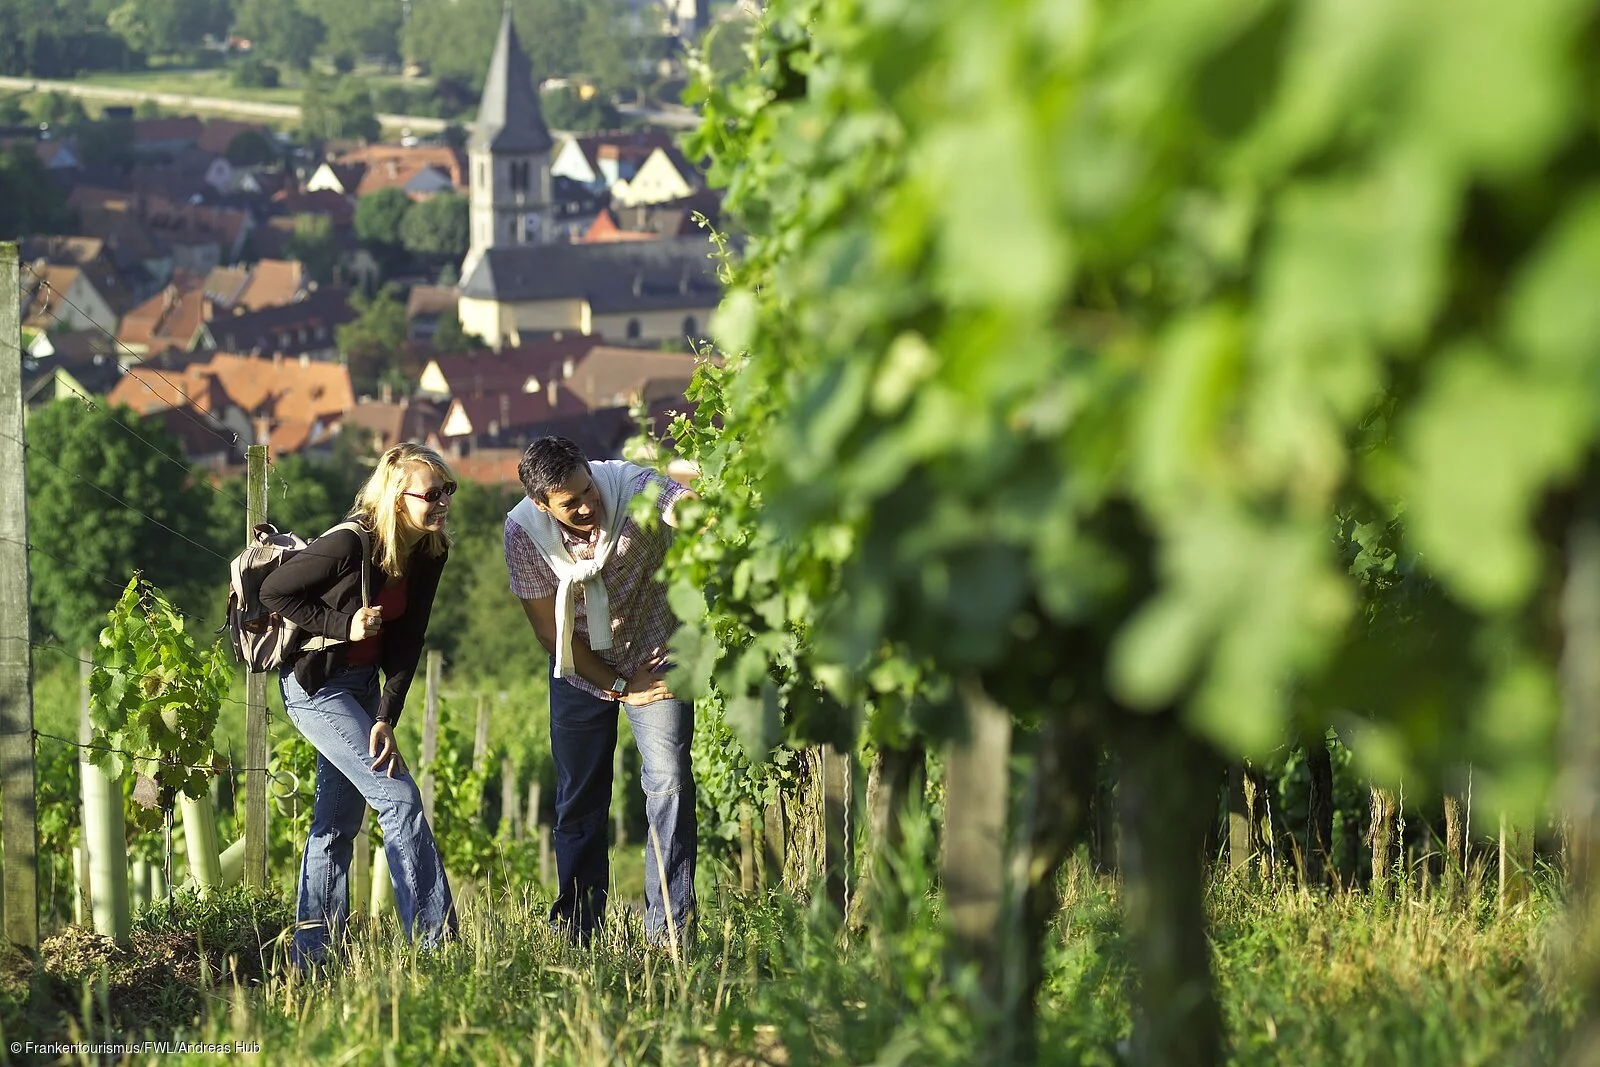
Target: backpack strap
(366,558)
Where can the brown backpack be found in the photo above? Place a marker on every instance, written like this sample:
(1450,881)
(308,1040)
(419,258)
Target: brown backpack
(264,640)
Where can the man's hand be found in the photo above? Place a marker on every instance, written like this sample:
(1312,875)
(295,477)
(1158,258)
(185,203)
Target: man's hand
(382,747)
(646,687)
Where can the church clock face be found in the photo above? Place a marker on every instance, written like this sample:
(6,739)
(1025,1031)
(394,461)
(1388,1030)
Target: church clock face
(530,227)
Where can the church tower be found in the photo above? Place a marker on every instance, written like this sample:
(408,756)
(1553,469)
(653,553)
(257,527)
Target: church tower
(509,156)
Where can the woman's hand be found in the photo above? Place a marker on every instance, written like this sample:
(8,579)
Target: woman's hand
(368,621)
(646,687)
(383,748)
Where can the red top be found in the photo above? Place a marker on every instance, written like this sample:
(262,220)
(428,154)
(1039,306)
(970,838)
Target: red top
(369,650)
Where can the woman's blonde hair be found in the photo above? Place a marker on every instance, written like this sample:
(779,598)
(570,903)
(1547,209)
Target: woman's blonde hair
(377,505)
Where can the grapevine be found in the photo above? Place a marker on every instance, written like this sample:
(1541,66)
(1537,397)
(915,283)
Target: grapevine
(155,696)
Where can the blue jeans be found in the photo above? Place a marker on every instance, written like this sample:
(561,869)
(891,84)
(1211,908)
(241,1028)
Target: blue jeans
(338,722)
(583,740)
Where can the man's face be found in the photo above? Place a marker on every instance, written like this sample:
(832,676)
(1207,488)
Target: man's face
(576,502)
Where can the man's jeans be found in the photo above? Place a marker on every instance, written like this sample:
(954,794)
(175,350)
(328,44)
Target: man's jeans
(583,739)
(338,722)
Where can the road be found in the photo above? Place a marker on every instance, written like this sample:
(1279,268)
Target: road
(670,117)
(253,109)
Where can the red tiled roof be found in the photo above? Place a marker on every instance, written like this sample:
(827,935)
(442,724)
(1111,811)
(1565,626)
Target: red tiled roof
(394,165)
(621,144)
(290,389)
(614,376)
(273,283)
(289,435)
(171,317)
(513,412)
(336,206)
(506,371)
(605,228)
(488,466)
(183,128)
(391,422)
(430,300)
(217,134)
(183,223)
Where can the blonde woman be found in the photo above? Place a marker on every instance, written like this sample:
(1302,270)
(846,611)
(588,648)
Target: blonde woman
(332,693)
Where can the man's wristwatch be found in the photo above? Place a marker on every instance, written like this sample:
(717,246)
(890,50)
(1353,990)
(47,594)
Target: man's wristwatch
(619,686)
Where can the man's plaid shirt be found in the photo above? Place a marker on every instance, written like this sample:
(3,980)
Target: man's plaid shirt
(641,621)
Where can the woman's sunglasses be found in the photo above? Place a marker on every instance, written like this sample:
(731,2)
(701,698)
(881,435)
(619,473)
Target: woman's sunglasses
(432,495)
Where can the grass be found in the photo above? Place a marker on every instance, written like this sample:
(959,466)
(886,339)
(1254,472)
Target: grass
(213,83)
(1302,980)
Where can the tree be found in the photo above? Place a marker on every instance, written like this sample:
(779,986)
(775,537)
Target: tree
(437,227)
(379,218)
(30,202)
(106,143)
(78,452)
(614,59)
(360,28)
(454,38)
(255,73)
(565,109)
(280,30)
(173,26)
(725,48)
(57,109)
(307,496)
(333,109)
(464,623)
(452,338)
(374,338)
(132,24)
(314,244)
(251,148)
(60,38)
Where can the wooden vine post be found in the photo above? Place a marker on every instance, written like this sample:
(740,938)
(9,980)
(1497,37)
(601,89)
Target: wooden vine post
(977,794)
(1455,847)
(255,700)
(509,823)
(19,838)
(480,737)
(1238,824)
(774,850)
(1381,835)
(430,729)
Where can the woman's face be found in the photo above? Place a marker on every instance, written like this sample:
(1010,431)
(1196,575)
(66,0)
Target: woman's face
(417,512)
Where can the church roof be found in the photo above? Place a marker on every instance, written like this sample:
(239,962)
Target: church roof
(509,119)
(631,276)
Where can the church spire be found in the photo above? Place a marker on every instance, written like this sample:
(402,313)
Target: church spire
(509,119)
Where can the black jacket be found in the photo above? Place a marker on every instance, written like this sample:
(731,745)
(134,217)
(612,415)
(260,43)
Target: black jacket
(319,589)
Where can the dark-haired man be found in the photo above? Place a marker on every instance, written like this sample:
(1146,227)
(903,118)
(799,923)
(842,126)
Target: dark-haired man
(585,573)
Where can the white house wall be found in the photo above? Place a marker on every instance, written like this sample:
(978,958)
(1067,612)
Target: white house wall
(654,326)
(570,162)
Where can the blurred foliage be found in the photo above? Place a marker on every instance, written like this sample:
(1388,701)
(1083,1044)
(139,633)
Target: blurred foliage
(1214,356)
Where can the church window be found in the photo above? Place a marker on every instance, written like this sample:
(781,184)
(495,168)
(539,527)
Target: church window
(633,329)
(519,176)
(690,326)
